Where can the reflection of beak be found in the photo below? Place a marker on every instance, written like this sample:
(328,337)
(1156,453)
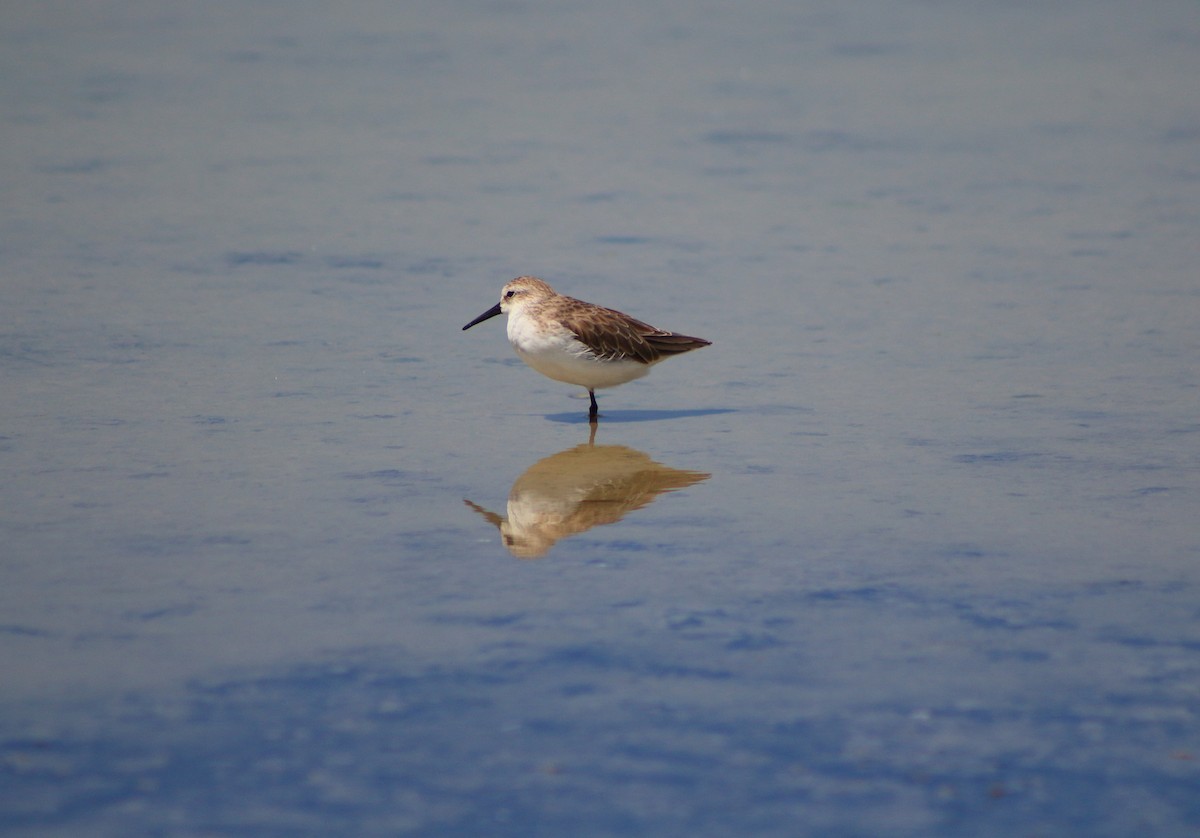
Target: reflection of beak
(492,518)
(487,315)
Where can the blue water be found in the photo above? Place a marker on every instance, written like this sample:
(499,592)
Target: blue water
(912,549)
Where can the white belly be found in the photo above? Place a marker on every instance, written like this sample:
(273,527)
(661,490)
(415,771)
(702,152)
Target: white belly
(560,356)
(562,365)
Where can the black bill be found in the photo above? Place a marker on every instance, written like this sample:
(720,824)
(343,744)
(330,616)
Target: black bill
(487,315)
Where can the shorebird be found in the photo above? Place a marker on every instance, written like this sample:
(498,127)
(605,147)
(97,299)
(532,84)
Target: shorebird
(581,343)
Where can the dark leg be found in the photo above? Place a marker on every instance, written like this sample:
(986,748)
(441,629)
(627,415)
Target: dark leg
(594,410)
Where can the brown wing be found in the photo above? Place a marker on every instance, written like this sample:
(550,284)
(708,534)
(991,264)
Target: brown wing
(612,334)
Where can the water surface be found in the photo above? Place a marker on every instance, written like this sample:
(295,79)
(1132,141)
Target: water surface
(912,549)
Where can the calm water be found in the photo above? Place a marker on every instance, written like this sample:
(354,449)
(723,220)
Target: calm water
(913,549)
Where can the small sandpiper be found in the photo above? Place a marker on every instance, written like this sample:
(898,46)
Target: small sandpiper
(581,343)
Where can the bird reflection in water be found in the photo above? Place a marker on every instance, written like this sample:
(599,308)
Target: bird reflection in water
(574,490)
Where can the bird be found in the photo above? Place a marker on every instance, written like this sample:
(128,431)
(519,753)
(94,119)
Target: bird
(578,342)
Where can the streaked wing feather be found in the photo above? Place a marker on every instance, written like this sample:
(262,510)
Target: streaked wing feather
(672,343)
(612,334)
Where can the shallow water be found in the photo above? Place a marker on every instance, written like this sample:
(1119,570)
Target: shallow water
(912,549)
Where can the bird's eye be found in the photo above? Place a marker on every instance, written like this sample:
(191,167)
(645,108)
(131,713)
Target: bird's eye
(509,295)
